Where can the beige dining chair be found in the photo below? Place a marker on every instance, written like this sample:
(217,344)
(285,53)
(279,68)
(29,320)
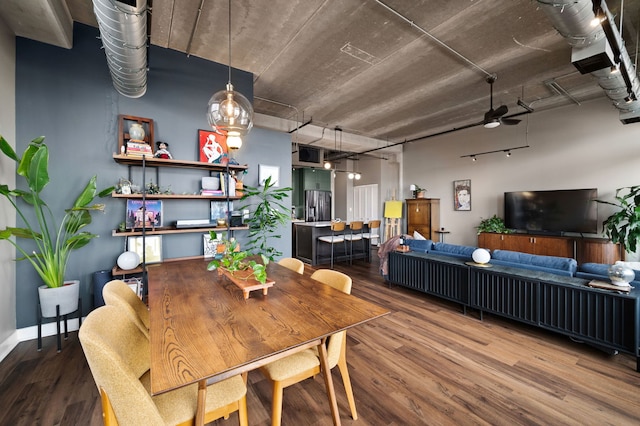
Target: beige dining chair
(336,237)
(292,263)
(117,293)
(118,355)
(302,365)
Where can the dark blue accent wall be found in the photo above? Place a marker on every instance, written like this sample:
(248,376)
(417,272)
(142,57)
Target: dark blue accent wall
(68,96)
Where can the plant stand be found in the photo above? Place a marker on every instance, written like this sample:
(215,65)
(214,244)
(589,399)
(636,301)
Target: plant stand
(65,317)
(245,282)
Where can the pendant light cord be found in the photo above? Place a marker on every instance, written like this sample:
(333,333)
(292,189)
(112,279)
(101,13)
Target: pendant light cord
(229,41)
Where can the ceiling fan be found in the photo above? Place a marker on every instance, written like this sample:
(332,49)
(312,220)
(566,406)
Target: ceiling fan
(494,117)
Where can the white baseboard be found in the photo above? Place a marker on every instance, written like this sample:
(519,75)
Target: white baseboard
(31,333)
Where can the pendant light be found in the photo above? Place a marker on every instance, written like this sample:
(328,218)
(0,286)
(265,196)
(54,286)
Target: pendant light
(229,112)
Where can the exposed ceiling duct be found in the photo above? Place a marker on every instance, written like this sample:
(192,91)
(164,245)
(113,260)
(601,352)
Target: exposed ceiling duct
(123,30)
(596,49)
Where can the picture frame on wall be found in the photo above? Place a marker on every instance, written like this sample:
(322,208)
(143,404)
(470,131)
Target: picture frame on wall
(265,171)
(136,214)
(462,195)
(152,247)
(212,147)
(210,248)
(221,210)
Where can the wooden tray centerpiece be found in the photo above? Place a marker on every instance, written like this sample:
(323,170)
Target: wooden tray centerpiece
(246,281)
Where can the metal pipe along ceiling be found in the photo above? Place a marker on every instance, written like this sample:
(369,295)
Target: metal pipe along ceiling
(123,30)
(572,19)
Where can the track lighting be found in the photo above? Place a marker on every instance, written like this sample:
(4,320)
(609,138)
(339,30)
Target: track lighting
(630,98)
(615,69)
(506,151)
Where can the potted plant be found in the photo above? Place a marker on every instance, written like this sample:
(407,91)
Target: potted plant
(53,243)
(624,226)
(493,224)
(231,259)
(418,192)
(267,216)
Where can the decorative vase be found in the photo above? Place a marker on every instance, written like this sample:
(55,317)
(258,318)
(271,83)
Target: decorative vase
(621,275)
(136,132)
(421,194)
(65,296)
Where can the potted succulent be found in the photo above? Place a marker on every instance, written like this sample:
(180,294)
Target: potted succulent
(268,214)
(493,224)
(53,243)
(624,226)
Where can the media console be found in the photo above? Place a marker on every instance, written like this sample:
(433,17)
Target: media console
(563,304)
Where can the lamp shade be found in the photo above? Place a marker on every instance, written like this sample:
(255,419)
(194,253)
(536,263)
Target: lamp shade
(230,111)
(393,209)
(481,256)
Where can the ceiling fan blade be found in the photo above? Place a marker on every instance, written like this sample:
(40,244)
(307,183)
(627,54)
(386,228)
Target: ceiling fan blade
(500,111)
(510,121)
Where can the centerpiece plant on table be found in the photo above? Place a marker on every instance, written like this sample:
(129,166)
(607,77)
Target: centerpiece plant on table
(232,259)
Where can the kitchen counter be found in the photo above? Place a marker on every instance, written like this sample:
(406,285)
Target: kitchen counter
(307,249)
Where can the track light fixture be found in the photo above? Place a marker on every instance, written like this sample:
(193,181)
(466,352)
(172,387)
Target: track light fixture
(506,151)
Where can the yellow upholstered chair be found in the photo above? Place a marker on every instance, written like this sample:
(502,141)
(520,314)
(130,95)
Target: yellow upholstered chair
(293,264)
(117,293)
(118,355)
(302,365)
(336,237)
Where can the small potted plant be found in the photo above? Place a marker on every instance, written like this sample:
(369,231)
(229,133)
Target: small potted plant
(417,191)
(230,259)
(53,243)
(494,224)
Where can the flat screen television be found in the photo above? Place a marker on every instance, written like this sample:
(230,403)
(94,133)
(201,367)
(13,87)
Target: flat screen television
(555,212)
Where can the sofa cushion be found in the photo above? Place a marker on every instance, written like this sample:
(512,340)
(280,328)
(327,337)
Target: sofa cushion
(463,252)
(553,264)
(422,246)
(598,271)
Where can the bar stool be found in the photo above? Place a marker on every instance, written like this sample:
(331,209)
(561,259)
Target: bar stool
(373,234)
(337,227)
(355,234)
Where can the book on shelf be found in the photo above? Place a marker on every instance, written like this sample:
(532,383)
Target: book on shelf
(212,192)
(138,149)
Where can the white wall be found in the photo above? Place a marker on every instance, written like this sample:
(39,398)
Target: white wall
(571,147)
(8,337)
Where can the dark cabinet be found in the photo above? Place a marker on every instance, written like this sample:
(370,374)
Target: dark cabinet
(423,216)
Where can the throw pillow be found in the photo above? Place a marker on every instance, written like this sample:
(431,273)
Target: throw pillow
(418,236)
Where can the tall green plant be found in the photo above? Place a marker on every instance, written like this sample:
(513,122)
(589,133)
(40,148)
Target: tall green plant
(267,214)
(53,243)
(624,226)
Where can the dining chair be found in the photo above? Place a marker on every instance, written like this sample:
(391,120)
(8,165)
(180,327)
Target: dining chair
(292,263)
(118,354)
(355,234)
(373,234)
(337,226)
(302,365)
(117,293)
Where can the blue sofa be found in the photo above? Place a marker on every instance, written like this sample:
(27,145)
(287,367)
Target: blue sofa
(552,264)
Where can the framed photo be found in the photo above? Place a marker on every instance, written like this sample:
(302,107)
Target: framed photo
(211,245)
(152,247)
(212,147)
(221,210)
(265,172)
(462,195)
(136,214)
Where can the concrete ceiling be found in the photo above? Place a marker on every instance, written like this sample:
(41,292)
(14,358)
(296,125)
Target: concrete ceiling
(358,65)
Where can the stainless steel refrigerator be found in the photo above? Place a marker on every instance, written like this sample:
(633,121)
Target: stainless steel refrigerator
(317,205)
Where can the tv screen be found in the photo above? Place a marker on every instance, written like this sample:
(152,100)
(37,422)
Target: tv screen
(571,210)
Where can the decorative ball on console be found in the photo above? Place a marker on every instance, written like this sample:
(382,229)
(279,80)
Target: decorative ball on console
(621,275)
(481,256)
(128,260)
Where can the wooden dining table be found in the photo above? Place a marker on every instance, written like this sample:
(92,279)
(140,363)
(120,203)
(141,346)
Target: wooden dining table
(203,330)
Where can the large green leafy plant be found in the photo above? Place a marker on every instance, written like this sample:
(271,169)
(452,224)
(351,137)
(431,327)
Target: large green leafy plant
(268,213)
(233,259)
(53,242)
(624,226)
(493,224)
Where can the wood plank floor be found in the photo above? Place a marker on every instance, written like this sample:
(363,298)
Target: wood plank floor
(425,363)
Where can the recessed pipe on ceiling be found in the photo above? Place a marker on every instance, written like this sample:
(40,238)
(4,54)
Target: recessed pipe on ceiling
(123,30)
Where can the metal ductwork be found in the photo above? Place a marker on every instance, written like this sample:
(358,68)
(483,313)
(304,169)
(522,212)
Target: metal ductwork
(123,30)
(596,49)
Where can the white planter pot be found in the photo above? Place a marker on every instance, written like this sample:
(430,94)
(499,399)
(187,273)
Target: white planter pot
(65,296)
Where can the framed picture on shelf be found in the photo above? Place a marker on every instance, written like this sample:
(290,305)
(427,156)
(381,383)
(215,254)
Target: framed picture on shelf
(149,217)
(212,147)
(221,210)
(462,195)
(265,172)
(152,247)
(211,245)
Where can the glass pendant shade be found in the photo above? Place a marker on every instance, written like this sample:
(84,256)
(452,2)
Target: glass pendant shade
(234,140)
(229,112)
